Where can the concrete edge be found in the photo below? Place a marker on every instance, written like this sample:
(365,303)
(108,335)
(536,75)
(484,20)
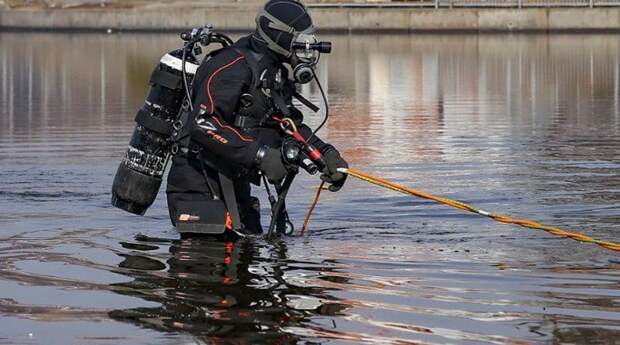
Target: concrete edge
(329,20)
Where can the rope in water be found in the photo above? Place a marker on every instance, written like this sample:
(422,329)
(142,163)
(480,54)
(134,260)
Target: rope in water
(314,203)
(466,207)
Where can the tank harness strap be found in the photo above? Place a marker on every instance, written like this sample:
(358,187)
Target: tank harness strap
(166,79)
(230,199)
(181,130)
(211,183)
(246,122)
(224,190)
(243,121)
(253,61)
(280,103)
(155,124)
(306,102)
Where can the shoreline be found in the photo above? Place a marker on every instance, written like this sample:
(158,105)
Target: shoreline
(173,30)
(330,19)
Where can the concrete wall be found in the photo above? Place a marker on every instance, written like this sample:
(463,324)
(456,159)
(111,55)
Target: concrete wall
(469,19)
(328,19)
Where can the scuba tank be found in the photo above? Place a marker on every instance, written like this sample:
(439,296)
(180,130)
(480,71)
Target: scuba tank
(139,175)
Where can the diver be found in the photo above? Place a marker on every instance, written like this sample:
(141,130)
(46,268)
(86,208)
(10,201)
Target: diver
(234,135)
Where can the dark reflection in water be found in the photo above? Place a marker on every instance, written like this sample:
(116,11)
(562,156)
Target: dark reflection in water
(221,292)
(528,125)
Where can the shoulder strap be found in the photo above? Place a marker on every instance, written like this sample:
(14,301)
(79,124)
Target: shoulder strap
(253,58)
(230,199)
(181,129)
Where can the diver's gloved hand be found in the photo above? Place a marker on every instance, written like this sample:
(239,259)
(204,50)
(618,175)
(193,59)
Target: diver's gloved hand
(333,162)
(269,161)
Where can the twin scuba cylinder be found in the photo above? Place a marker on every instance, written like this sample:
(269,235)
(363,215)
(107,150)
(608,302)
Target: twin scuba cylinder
(139,175)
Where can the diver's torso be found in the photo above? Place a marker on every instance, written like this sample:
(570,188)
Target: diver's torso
(258,82)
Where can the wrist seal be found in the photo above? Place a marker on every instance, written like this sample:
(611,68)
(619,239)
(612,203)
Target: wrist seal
(327,149)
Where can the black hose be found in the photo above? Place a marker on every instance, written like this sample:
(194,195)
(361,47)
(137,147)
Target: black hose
(326,107)
(185,85)
(276,211)
(225,38)
(272,200)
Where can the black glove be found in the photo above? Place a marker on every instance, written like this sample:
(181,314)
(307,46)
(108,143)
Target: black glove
(331,174)
(270,163)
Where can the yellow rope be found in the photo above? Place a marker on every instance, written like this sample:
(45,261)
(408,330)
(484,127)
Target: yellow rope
(463,206)
(314,202)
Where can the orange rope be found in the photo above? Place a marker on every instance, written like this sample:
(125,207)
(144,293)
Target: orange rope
(463,206)
(314,203)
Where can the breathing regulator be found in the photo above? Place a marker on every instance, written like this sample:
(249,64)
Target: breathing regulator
(308,54)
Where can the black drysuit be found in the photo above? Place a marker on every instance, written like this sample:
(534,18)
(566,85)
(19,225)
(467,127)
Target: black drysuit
(235,94)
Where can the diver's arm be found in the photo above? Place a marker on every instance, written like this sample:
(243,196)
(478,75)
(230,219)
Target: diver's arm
(331,155)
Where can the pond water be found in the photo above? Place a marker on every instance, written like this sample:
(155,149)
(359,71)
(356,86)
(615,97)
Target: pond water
(526,125)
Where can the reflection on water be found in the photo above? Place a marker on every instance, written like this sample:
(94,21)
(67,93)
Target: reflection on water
(526,124)
(222,292)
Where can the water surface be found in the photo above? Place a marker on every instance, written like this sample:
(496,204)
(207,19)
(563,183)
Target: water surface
(526,125)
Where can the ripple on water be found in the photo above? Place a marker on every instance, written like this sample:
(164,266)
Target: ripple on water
(526,125)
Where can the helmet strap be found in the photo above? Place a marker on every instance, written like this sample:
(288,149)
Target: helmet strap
(277,24)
